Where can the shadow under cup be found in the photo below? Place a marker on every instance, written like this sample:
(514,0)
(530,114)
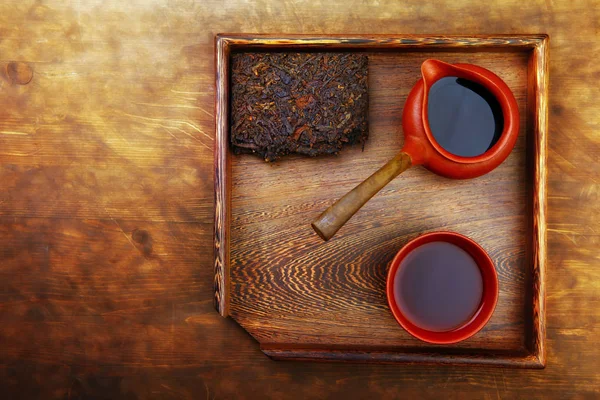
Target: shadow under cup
(465,284)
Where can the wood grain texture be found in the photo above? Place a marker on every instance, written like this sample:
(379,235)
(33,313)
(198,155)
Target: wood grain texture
(223,171)
(384,42)
(70,158)
(538,111)
(292,292)
(499,359)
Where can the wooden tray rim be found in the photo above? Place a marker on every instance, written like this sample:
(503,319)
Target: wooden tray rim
(537,108)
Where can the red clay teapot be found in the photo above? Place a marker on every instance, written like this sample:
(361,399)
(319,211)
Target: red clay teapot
(428,141)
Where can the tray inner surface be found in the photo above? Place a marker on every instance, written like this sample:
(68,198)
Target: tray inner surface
(290,288)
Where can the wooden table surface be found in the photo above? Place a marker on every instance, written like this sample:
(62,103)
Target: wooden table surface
(106,202)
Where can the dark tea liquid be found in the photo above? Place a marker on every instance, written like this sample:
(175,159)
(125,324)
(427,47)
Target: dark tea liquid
(438,286)
(463,116)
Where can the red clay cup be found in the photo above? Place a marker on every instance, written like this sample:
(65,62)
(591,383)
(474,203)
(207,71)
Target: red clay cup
(489,296)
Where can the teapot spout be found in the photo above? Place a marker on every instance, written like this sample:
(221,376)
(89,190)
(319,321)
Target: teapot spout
(433,70)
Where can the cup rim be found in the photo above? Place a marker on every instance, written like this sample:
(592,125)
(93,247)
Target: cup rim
(489,297)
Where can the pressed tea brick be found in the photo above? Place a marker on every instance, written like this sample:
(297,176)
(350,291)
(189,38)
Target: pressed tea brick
(307,103)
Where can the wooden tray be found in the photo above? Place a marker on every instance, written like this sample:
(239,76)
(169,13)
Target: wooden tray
(301,298)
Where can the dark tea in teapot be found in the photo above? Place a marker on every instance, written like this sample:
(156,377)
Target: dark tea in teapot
(463,116)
